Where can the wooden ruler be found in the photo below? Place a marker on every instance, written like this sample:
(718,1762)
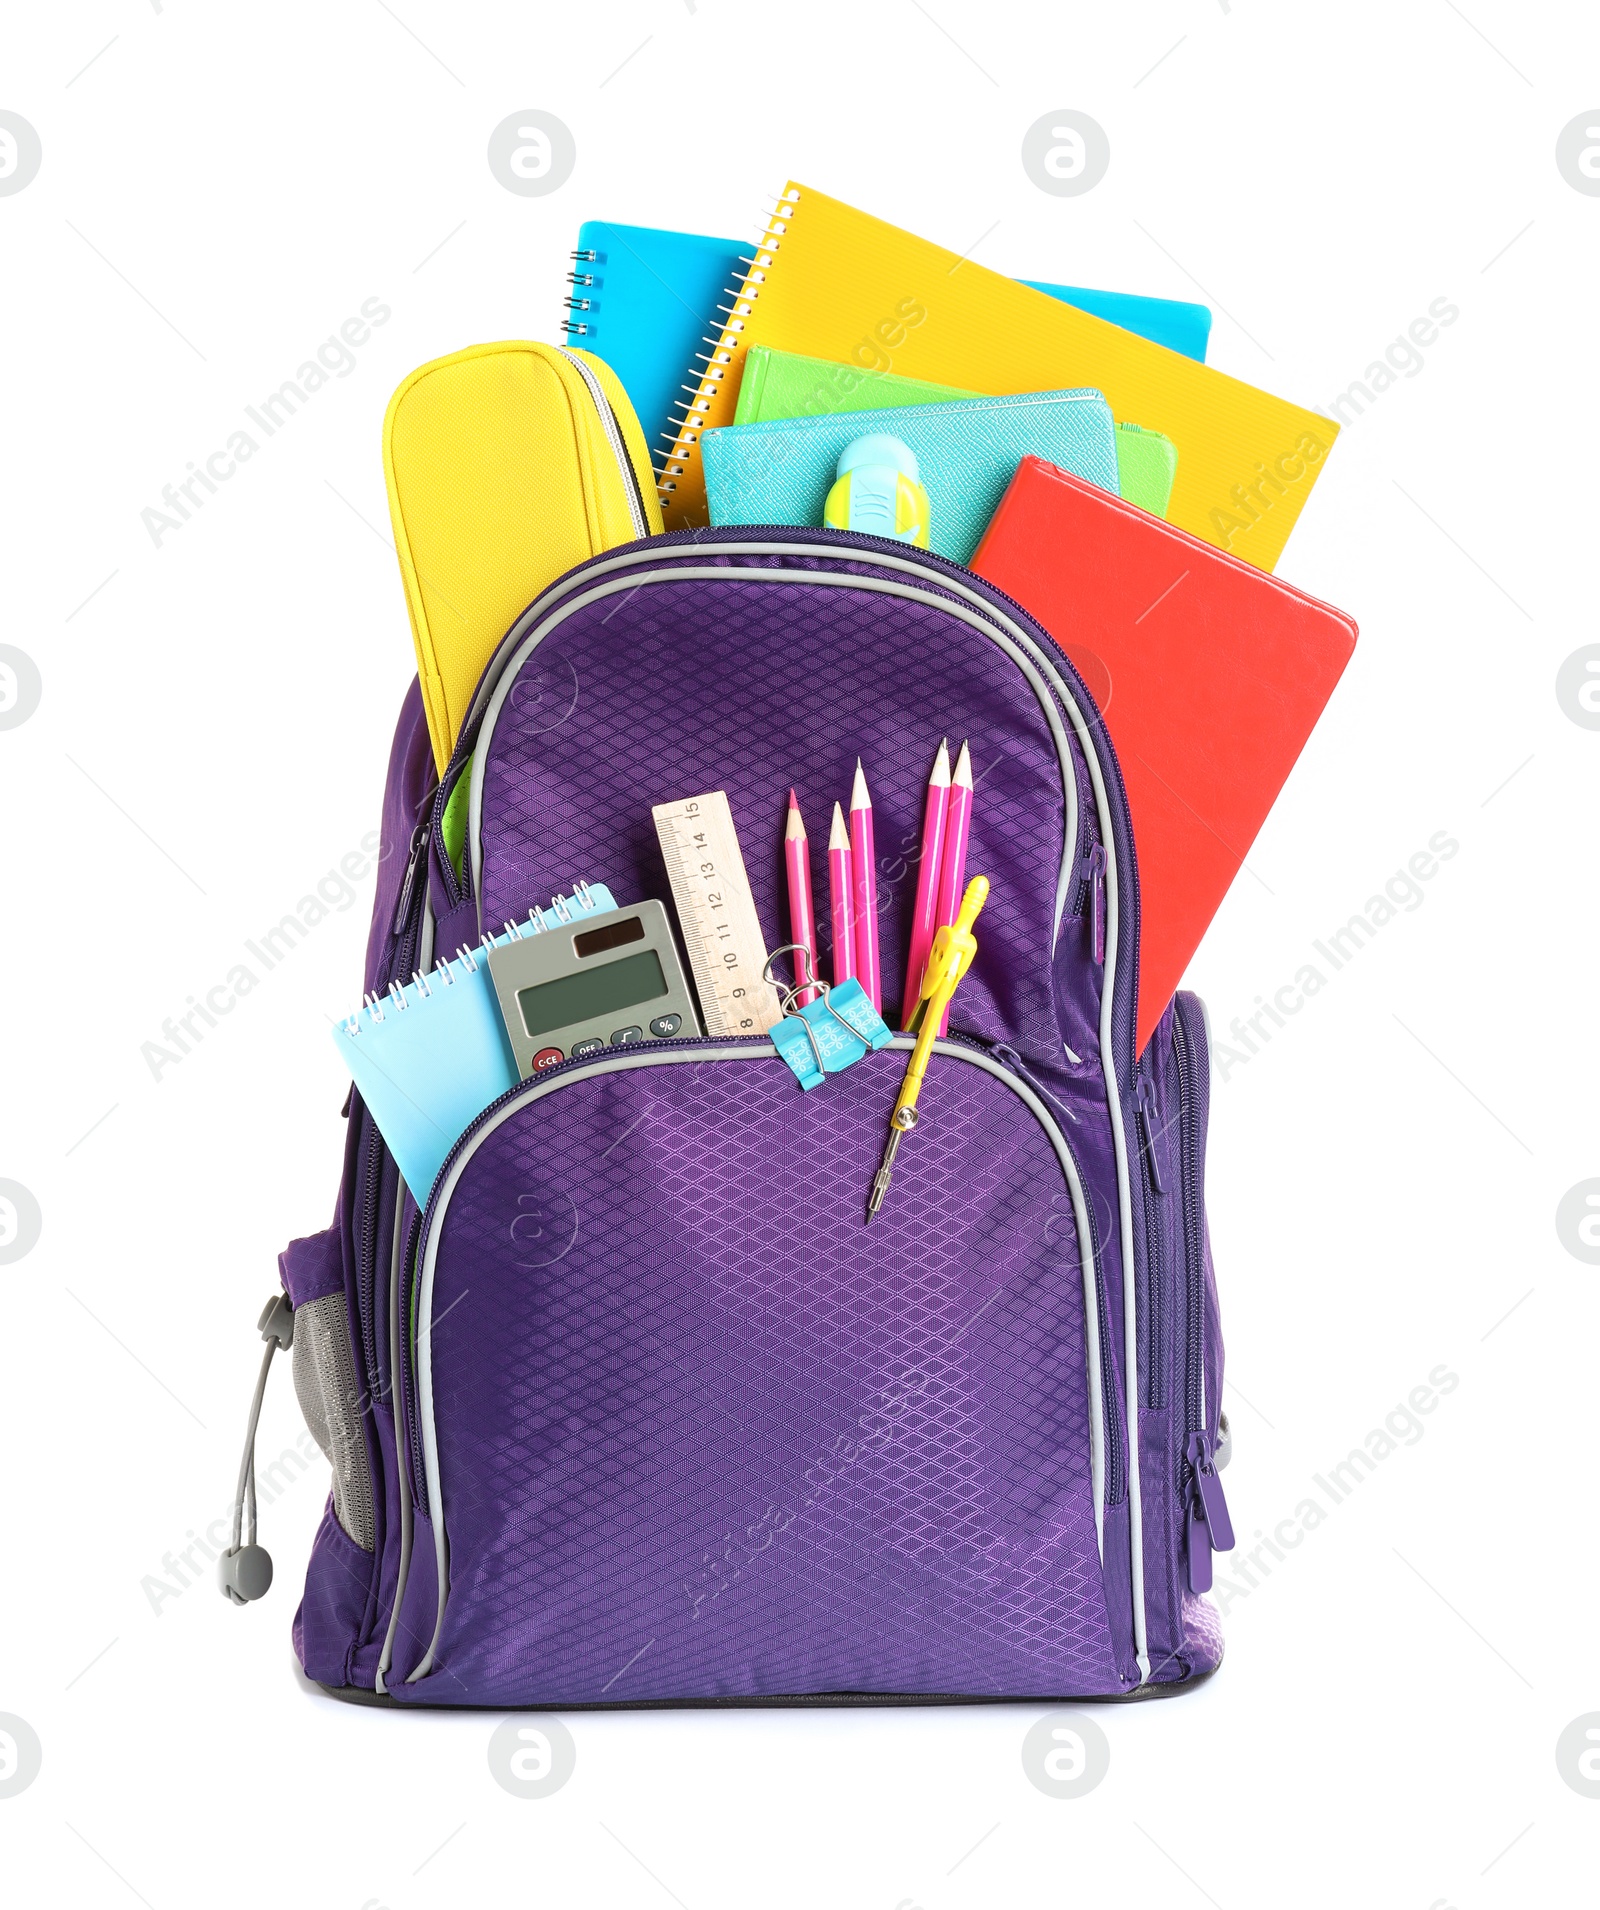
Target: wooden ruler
(717,914)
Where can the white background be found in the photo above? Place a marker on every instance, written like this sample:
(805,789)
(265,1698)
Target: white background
(212,740)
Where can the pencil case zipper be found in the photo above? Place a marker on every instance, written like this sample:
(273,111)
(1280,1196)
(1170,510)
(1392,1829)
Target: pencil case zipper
(456,886)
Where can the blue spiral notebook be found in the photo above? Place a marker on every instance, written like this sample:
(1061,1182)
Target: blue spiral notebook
(644,299)
(428,1058)
(780,472)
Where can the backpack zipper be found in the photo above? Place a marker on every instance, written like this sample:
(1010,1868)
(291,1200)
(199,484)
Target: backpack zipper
(1116,1459)
(1155,1301)
(1208,1527)
(1097,865)
(408,1295)
(408,881)
(368,1245)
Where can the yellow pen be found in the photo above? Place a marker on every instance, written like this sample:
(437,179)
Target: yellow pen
(948,960)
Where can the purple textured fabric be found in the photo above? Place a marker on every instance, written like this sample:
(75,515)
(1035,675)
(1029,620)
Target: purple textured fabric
(353,1254)
(855,674)
(1202,1631)
(330,1614)
(700,1434)
(312,1267)
(608,716)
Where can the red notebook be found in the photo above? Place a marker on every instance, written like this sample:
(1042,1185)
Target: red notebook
(1209,672)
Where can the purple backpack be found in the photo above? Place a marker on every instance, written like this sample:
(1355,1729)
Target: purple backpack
(636,1410)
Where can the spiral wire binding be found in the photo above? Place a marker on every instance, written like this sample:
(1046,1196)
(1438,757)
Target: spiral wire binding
(374,1005)
(682,434)
(571,327)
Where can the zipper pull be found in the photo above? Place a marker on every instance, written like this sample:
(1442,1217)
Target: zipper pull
(1208,1491)
(419,836)
(1010,1060)
(1197,1546)
(1146,1100)
(1097,880)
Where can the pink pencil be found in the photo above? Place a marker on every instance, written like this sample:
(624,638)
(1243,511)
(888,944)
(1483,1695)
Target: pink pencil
(802,914)
(844,955)
(924,915)
(864,889)
(953,861)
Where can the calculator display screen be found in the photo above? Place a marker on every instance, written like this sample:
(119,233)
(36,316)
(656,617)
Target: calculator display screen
(571,999)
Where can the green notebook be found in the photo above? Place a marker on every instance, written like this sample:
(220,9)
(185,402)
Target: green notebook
(1146,465)
(781,384)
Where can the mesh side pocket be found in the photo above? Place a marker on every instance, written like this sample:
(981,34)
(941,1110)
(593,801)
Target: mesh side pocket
(325,1382)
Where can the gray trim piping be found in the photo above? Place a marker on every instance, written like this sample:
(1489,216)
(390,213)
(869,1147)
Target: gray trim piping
(1023,660)
(621,1062)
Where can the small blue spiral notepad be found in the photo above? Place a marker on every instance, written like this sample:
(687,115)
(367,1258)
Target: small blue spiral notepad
(428,1057)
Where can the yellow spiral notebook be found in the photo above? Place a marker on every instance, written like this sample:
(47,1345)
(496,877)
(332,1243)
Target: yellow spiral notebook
(830,282)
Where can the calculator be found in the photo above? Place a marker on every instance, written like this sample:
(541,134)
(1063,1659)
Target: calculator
(604,981)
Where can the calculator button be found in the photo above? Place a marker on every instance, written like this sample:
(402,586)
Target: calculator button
(547,1058)
(665,1026)
(622,1036)
(594,1045)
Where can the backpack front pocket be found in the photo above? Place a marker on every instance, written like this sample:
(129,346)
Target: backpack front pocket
(688,1428)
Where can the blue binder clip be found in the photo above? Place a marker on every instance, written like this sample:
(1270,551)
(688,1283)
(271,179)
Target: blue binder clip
(831,1033)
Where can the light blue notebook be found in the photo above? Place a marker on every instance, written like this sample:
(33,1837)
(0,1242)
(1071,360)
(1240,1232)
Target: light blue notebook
(427,1059)
(781,472)
(644,300)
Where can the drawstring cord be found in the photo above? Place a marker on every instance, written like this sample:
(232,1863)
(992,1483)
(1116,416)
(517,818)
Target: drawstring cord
(244,1571)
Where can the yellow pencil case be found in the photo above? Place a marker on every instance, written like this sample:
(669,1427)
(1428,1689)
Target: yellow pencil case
(506,465)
